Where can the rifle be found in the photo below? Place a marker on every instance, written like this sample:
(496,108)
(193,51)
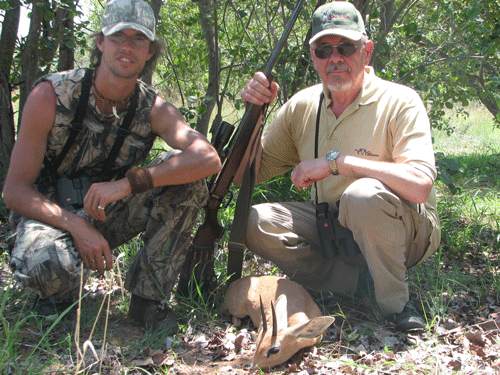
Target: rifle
(201,252)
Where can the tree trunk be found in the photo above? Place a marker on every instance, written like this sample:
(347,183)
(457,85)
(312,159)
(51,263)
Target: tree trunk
(304,67)
(388,17)
(65,27)
(208,20)
(484,96)
(8,39)
(30,55)
(156,6)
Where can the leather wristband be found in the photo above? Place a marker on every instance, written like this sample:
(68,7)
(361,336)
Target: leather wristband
(140,180)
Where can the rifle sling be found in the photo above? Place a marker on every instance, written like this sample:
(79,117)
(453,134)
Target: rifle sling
(237,237)
(76,124)
(316,140)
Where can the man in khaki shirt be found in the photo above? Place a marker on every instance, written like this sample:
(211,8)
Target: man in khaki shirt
(365,147)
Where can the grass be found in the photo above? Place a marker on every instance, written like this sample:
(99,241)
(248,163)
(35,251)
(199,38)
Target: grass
(465,270)
(467,261)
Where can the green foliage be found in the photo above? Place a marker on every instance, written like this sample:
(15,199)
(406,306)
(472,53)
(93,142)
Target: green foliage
(246,34)
(4,212)
(280,189)
(17,321)
(449,51)
(469,210)
(446,168)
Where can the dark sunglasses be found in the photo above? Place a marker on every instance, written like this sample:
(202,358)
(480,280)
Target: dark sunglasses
(345,49)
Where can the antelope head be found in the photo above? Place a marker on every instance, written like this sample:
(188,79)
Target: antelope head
(280,342)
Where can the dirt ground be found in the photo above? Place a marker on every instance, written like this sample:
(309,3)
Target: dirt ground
(467,342)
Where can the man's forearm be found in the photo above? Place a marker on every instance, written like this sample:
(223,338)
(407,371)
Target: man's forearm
(31,204)
(188,166)
(406,181)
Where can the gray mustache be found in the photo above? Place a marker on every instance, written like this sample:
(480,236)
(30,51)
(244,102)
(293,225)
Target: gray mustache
(333,66)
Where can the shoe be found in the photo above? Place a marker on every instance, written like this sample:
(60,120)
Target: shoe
(48,307)
(366,286)
(153,315)
(408,319)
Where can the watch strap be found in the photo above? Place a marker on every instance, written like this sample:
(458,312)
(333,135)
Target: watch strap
(334,168)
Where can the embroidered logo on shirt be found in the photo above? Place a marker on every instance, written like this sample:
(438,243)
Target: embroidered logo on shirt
(365,152)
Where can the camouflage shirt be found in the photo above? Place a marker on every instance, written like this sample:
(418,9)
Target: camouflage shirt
(93,144)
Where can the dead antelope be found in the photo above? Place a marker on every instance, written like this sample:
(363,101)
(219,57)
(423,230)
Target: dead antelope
(288,323)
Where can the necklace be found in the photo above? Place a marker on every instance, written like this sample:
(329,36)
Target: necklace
(114,103)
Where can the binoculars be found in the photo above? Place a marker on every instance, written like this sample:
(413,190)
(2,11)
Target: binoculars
(332,234)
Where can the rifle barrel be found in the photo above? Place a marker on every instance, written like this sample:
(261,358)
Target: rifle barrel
(284,37)
(273,58)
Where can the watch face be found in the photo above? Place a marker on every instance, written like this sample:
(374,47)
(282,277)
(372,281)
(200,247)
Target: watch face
(332,155)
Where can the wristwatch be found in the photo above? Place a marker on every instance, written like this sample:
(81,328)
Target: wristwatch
(332,156)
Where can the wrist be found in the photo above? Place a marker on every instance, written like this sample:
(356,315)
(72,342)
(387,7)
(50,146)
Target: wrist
(73,222)
(331,157)
(140,180)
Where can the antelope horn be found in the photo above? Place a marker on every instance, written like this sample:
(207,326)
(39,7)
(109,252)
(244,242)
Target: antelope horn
(275,323)
(264,322)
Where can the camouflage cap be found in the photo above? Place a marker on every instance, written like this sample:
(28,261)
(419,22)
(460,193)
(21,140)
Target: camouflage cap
(337,18)
(128,14)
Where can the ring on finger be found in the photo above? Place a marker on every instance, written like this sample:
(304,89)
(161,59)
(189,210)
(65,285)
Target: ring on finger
(100,207)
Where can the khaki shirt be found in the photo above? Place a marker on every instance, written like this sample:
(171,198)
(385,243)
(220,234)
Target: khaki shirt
(386,122)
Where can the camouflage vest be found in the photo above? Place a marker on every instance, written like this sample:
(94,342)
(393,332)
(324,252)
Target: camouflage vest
(93,144)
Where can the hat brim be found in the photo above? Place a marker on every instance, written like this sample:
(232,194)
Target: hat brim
(109,30)
(349,34)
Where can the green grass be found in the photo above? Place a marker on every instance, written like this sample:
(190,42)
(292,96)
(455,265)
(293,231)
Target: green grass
(472,134)
(466,263)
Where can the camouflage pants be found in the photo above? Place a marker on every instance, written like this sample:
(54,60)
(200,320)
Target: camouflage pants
(44,258)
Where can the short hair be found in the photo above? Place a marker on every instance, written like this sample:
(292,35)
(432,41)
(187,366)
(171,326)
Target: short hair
(149,67)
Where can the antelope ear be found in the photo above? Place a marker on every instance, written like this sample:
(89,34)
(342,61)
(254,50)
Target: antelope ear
(281,312)
(312,328)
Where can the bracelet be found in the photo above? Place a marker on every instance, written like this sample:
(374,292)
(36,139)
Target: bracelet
(140,180)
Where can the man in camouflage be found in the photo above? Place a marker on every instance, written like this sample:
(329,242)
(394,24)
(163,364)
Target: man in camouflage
(161,200)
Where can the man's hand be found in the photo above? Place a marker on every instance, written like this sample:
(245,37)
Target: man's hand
(103,193)
(310,171)
(92,247)
(258,91)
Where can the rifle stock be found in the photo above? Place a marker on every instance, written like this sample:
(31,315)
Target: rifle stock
(201,252)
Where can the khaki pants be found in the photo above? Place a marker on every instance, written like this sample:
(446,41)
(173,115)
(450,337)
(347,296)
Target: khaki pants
(393,235)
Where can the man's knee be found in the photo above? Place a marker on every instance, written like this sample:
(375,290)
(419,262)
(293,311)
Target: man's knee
(190,195)
(49,272)
(367,199)
(253,226)
(44,259)
(262,227)
(266,217)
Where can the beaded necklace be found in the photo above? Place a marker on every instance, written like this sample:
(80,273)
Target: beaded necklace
(114,103)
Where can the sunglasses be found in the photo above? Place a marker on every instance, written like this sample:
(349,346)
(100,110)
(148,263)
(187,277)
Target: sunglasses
(137,40)
(345,49)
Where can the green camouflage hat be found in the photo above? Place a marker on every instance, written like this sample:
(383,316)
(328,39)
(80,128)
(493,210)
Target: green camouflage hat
(128,14)
(337,18)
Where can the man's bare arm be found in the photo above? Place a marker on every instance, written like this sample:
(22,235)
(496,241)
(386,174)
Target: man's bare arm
(26,162)
(198,158)
(405,180)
